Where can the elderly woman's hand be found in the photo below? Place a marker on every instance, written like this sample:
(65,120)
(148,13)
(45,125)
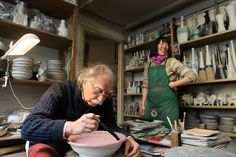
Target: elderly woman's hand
(86,123)
(132,148)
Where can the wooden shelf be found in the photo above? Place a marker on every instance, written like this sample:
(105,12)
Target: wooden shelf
(58,9)
(31,82)
(9,29)
(211,82)
(209,39)
(230,134)
(135,94)
(132,116)
(211,107)
(136,69)
(143,46)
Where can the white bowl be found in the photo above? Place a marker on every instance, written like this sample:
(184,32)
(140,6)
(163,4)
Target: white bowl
(96,144)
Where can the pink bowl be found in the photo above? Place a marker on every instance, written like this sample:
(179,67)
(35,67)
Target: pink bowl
(96,143)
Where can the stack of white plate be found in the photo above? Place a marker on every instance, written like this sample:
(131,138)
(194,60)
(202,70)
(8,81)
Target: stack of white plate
(192,119)
(211,121)
(22,68)
(227,123)
(55,71)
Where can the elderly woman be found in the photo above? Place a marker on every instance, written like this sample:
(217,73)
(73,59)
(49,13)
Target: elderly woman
(72,108)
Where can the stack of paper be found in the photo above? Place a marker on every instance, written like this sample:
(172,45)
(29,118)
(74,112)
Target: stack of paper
(203,137)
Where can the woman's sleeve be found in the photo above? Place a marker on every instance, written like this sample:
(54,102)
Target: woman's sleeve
(182,70)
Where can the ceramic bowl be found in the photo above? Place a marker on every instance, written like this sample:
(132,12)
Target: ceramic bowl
(96,144)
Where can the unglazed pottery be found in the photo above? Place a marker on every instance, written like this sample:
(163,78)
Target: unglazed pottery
(231,12)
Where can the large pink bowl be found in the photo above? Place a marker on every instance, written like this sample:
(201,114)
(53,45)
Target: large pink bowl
(96,144)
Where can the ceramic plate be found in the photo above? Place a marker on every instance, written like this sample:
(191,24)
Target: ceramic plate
(201,132)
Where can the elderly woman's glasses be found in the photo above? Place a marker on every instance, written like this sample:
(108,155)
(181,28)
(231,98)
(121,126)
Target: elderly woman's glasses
(99,91)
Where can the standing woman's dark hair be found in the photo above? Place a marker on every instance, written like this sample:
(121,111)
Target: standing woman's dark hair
(153,47)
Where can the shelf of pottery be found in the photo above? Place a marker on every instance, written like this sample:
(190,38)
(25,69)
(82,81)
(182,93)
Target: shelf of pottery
(210,52)
(17,19)
(134,66)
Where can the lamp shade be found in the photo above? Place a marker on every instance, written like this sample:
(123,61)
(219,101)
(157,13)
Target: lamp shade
(23,45)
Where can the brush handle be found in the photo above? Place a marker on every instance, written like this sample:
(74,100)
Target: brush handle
(110,131)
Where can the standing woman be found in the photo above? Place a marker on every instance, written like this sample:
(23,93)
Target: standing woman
(161,75)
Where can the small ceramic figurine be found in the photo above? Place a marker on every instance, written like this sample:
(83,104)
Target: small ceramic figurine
(62,29)
(42,74)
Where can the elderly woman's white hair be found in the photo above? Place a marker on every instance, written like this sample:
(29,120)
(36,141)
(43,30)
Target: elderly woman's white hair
(94,71)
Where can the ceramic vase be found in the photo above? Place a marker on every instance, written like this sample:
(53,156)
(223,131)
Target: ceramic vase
(220,73)
(213,62)
(231,70)
(213,20)
(231,12)
(193,63)
(208,25)
(20,15)
(182,32)
(233,54)
(220,22)
(226,58)
(219,19)
(62,29)
(202,72)
(209,69)
(195,31)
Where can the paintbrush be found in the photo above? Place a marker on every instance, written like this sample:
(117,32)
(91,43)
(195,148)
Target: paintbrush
(105,127)
(170,123)
(110,131)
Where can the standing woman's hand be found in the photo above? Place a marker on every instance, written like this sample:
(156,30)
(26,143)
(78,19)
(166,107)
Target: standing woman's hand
(172,85)
(132,148)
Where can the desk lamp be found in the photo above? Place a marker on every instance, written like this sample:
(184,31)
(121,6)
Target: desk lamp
(23,45)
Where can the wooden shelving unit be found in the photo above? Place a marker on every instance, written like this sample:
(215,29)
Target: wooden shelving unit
(57,9)
(135,94)
(139,47)
(134,70)
(47,39)
(209,39)
(31,82)
(214,81)
(211,107)
(132,116)
(230,134)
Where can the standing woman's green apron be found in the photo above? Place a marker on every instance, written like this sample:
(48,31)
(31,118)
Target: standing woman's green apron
(161,99)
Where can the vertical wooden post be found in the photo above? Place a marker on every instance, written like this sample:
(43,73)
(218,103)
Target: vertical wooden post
(120,85)
(74,43)
(172,33)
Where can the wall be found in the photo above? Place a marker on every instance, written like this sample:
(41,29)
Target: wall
(28,95)
(102,29)
(102,51)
